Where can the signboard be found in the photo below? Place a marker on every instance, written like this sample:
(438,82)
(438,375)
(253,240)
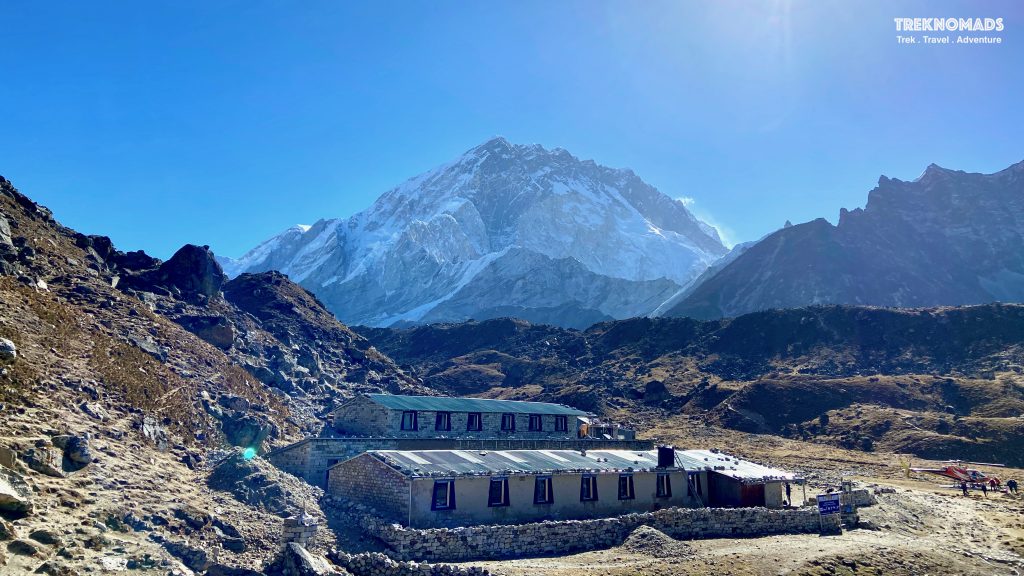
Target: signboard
(828,504)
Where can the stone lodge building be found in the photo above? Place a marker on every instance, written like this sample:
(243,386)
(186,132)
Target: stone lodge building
(399,416)
(414,423)
(447,488)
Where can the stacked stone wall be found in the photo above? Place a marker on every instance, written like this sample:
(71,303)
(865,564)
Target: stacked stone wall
(309,459)
(370,482)
(377,564)
(553,538)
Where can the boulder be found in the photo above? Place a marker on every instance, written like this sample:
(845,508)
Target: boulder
(45,536)
(194,558)
(147,344)
(155,432)
(24,548)
(15,494)
(194,517)
(76,449)
(8,458)
(295,560)
(193,270)
(94,410)
(233,402)
(6,240)
(45,460)
(246,430)
(216,330)
(8,352)
(7,530)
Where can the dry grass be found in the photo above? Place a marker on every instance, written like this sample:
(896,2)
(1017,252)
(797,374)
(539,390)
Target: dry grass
(141,382)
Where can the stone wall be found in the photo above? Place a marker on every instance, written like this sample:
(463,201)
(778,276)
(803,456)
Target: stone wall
(550,538)
(309,459)
(361,416)
(377,564)
(860,497)
(370,482)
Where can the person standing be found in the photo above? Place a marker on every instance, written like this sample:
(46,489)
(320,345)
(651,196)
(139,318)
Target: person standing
(984,490)
(963,487)
(789,497)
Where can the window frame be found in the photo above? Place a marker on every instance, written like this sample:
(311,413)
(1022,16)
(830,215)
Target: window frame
(512,419)
(663,489)
(630,492)
(561,423)
(449,495)
(415,421)
(549,490)
(503,480)
(479,422)
(536,423)
(591,481)
(442,417)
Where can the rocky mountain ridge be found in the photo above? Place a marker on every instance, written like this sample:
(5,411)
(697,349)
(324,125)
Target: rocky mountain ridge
(504,229)
(947,238)
(123,379)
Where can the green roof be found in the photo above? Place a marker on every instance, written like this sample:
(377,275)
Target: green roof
(448,404)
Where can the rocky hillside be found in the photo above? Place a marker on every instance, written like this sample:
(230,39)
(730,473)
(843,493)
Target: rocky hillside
(947,238)
(502,230)
(122,380)
(943,382)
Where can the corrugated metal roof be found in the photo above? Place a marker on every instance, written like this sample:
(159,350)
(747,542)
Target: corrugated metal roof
(730,466)
(468,462)
(448,404)
(474,463)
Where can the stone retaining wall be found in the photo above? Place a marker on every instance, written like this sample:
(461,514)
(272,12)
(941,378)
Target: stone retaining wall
(377,564)
(861,497)
(309,459)
(551,538)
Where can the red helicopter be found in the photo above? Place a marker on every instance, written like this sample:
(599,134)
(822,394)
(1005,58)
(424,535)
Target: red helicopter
(960,473)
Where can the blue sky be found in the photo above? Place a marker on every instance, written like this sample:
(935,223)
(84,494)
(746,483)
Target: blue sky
(222,123)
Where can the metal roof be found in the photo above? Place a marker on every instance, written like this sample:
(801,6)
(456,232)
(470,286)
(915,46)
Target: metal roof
(449,463)
(471,462)
(731,466)
(448,404)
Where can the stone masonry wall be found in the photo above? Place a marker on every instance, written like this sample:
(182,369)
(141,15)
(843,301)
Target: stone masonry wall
(377,564)
(548,538)
(309,459)
(370,482)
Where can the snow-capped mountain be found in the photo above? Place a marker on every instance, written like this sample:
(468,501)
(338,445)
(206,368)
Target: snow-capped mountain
(947,238)
(504,230)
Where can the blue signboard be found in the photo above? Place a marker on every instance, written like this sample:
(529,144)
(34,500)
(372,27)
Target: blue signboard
(828,504)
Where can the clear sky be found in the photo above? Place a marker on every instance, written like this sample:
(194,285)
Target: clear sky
(224,122)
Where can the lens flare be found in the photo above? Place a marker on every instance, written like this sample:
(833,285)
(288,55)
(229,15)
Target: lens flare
(249,453)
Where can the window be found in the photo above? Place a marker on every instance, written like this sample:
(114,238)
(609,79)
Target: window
(444,495)
(474,423)
(536,424)
(409,420)
(664,486)
(626,487)
(508,422)
(588,488)
(561,423)
(443,421)
(543,491)
(498,493)
(694,484)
